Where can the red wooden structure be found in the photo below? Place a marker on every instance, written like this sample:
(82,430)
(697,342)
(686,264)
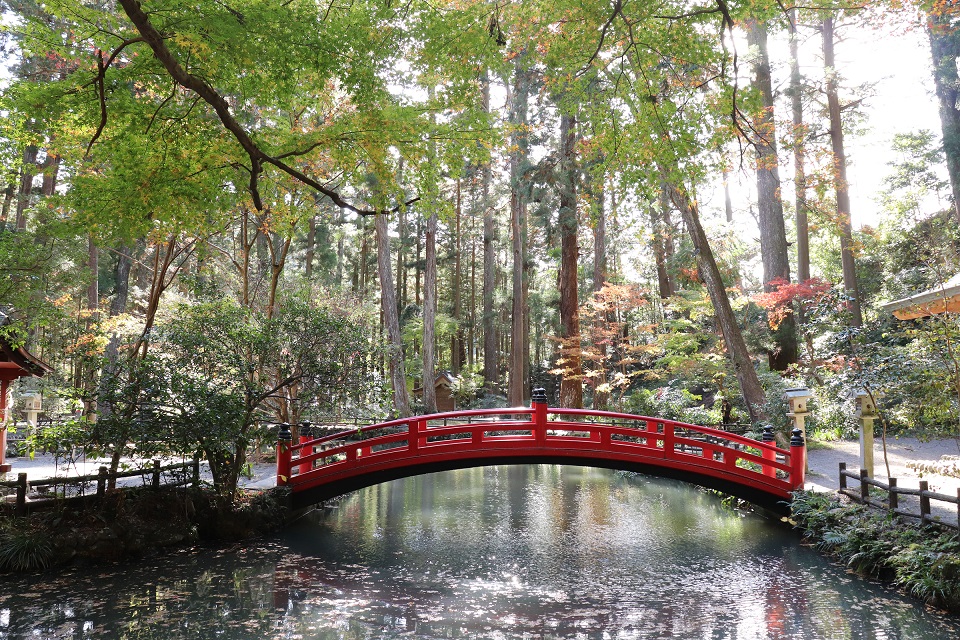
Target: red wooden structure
(15,362)
(325,467)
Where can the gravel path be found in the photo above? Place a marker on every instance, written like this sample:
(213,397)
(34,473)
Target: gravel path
(824,460)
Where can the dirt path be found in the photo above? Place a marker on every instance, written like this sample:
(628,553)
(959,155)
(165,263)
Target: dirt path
(824,461)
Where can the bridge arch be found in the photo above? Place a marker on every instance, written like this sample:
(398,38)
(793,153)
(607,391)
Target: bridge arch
(322,468)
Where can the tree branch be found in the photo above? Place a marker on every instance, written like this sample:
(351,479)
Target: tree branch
(202,88)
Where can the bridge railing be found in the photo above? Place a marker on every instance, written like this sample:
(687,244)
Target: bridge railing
(542,430)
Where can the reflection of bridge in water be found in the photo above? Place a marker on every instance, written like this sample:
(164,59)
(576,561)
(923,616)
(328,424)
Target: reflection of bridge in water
(322,468)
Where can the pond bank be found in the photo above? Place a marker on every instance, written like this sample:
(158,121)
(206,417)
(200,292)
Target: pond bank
(133,523)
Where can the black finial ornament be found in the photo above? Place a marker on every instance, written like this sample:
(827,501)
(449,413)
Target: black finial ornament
(306,428)
(285,435)
(539,395)
(797,439)
(767,433)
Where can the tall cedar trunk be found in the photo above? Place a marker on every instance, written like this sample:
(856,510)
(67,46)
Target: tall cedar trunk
(727,201)
(121,276)
(472,334)
(26,185)
(661,231)
(364,256)
(773,236)
(518,158)
(571,385)
(311,248)
(51,169)
(430,317)
(799,155)
(750,387)
(7,200)
(840,179)
(93,310)
(340,241)
(600,241)
(600,398)
(457,346)
(417,269)
(401,259)
(388,305)
(944,49)
(490,356)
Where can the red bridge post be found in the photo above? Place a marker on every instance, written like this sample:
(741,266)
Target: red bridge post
(306,435)
(768,454)
(538,401)
(284,442)
(798,459)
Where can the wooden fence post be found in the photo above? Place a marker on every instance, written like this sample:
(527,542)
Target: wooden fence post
(864,487)
(892,497)
(101,481)
(843,477)
(156,475)
(196,472)
(924,501)
(21,509)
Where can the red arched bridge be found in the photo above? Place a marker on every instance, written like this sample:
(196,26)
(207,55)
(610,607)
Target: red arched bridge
(321,468)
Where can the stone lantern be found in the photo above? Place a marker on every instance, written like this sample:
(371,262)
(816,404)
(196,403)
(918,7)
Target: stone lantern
(865,409)
(797,400)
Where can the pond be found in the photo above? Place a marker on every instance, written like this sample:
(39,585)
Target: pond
(532,551)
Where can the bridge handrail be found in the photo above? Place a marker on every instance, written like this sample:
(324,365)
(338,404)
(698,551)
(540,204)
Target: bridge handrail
(542,429)
(429,417)
(733,437)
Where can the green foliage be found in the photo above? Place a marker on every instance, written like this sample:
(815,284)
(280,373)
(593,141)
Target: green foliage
(24,548)
(923,561)
(217,370)
(672,404)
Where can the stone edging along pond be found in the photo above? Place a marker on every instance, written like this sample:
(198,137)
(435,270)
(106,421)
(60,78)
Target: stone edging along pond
(923,561)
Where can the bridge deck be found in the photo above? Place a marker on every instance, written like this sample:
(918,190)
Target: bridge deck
(321,468)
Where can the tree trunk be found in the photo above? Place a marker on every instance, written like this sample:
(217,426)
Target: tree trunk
(430,317)
(26,186)
(388,304)
(600,241)
(340,242)
(490,355)
(840,179)
(661,232)
(799,155)
(518,206)
(773,236)
(571,385)
(311,248)
(457,347)
(944,49)
(750,387)
(727,202)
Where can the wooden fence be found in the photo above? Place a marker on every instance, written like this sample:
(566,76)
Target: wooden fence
(893,503)
(189,474)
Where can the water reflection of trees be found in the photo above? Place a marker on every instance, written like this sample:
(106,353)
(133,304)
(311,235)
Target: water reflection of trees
(521,551)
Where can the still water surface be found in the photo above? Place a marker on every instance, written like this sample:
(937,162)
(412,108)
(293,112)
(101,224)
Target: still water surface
(496,552)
